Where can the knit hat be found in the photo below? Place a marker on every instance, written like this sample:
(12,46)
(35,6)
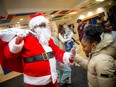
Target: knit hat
(37,19)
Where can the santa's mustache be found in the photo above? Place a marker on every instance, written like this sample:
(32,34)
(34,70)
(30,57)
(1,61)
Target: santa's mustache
(43,35)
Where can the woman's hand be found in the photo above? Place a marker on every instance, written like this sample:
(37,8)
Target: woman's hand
(73,51)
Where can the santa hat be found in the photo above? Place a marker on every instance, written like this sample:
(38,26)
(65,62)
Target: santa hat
(37,19)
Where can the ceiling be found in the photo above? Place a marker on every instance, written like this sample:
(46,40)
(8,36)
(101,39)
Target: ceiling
(14,10)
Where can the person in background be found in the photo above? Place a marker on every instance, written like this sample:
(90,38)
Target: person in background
(68,34)
(101,19)
(55,39)
(54,36)
(101,63)
(65,78)
(80,29)
(108,29)
(112,16)
(72,28)
(106,26)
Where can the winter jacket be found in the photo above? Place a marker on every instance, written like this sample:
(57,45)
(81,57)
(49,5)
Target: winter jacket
(101,64)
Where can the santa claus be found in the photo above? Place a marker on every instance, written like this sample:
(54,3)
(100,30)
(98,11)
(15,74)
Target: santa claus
(37,54)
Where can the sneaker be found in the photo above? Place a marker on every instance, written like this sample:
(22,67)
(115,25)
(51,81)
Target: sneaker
(69,85)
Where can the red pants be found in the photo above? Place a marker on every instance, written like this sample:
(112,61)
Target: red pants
(48,85)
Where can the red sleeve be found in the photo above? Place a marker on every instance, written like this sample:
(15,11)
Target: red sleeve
(8,54)
(9,60)
(57,51)
(12,61)
(2,45)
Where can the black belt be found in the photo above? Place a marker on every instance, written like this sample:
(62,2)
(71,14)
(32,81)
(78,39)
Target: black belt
(44,56)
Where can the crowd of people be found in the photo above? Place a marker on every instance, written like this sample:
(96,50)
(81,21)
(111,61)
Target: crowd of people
(35,52)
(98,42)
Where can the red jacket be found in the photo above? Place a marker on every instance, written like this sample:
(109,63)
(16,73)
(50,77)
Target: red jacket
(81,30)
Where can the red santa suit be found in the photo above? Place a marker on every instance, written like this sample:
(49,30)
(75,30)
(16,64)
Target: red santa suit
(6,36)
(37,72)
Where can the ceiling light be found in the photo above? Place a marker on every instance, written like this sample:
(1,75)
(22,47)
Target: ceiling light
(99,10)
(89,13)
(21,19)
(81,17)
(18,22)
(99,0)
(52,15)
(73,13)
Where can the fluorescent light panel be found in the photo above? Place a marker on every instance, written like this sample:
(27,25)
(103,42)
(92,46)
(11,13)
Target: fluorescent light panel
(99,0)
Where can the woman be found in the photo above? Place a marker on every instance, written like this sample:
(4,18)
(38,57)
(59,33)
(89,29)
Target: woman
(65,78)
(101,62)
(66,36)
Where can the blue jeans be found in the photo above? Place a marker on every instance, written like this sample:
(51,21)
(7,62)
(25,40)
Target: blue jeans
(68,45)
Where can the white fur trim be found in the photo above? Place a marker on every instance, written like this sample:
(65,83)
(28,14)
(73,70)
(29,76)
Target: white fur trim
(37,21)
(52,62)
(44,80)
(53,69)
(66,57)
(15,48)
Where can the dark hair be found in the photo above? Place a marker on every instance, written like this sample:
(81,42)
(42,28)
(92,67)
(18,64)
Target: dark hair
(79,20)
(92,33)
(64,24)
(61,29)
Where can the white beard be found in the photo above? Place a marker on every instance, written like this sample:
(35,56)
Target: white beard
(43,35)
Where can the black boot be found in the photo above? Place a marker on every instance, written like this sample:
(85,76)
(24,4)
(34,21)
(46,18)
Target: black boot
(62,84)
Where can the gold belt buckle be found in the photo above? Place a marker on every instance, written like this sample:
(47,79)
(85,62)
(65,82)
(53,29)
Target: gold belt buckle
(45,56)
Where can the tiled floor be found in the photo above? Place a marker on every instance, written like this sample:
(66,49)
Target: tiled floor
(8,76)
(79,79)
(14,82)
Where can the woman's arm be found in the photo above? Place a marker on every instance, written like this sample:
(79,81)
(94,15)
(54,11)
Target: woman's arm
(71,35)
(63,39)
(83,62)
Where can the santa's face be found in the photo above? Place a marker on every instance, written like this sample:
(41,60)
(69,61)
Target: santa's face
(43,34)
